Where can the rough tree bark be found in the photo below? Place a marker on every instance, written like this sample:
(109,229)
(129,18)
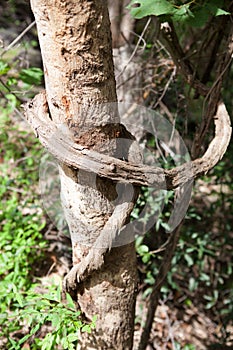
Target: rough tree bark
(75,43)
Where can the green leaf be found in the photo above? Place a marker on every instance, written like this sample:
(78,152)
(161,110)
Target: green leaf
(14,344)
(182,13)
(50,297)
(188,302)
(72,337)
(24,339)
(193,284)
(200,17)
(189,260)
(70,302)
(220,12)
(47,342)
(143,8)
(19,299)
(4,68)
(177,346)
(32,332)
(86,328)
(189,347)
(31,76)
(139,241)
(146,258)
(165,226)
(55,318)
(142,249)
(94,318)
(65,343)
(12,100)
(200,13)
(58,293)
(11,81)
(204,277)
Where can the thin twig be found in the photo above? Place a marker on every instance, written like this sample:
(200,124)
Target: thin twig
(168,37)
(135,49)
(213,96)
(165,88)
(155,294)
(17,111)
(19,37)
(218,80)
(11,92)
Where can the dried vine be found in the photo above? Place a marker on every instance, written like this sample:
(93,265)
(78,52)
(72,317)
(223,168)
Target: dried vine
(60,144)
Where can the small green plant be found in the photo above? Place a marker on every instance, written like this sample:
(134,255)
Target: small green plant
(17,83)
(186,347)
(47,309)
(21,243)
(24,312)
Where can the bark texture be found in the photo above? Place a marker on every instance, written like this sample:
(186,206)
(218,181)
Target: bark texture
(76,45)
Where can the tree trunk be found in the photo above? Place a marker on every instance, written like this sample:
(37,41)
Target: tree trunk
(121,22)
(75,42)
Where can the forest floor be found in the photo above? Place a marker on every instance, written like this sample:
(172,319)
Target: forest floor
(176,325)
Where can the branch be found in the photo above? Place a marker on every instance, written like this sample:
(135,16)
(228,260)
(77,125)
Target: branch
(169,38)
(61,146)
(214,94)
(155,294)
(19,37)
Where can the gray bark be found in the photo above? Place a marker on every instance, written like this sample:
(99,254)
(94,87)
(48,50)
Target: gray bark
(75,43)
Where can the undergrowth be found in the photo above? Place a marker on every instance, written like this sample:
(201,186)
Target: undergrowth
(28,316)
